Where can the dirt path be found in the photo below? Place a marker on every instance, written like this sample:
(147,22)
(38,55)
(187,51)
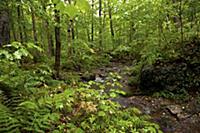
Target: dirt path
(172,116)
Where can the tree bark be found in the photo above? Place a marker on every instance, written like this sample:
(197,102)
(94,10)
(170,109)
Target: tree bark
(72,27)
(12,26)
(50,40)
(69,38)
(100,24)
(58,45)
(71,24)
(111,21)
(92,26)
(34,26)
(49,35)
(19,23)
(70,34)
(24,27)
(4,27)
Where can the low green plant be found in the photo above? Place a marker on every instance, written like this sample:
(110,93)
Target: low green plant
(80,108)
(37,103)
(182,95)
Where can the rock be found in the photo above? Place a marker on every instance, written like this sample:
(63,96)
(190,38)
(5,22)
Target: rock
(147,82)
(88,76)
(99,79)
(178,112)
(174,75)
(175,109)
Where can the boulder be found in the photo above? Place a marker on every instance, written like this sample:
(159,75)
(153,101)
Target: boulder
(174,75)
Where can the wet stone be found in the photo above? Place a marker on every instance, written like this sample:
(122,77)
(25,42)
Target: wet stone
(175,109)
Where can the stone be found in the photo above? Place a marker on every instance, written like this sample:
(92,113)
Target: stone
(175,109)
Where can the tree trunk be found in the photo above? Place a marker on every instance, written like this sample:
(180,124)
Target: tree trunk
(4,27)
(58,45)
(111,21)
(88,34)
(50,40)
(69,38)
(19,23)
(72,27)
(104,18)
(24,27)
(34,26)
(100,24)
(70,34)
(48,34)
(132,28)
(12,26)
(92,27)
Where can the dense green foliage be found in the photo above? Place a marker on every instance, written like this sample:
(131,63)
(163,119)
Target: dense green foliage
(47,45)
(56,107)
(176,75)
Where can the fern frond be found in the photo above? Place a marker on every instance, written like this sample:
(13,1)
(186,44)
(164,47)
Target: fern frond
(8,123)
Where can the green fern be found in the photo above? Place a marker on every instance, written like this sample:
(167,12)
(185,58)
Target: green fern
(8,122)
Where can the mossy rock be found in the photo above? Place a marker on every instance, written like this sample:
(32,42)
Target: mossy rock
(174,75)
(87,76)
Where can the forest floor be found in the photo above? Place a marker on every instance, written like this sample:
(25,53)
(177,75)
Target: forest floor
(173,116)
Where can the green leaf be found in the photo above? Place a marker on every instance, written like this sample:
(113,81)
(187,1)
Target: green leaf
(32,45)
(24,52)
(55,1)
(71,11)
(29,105)
(83,5)
(101,113)
(61,7)
(6,54)
(113,95)
(17,54)
(16,45)
(79,130)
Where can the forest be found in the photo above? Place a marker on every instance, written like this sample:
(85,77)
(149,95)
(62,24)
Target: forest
(104,66)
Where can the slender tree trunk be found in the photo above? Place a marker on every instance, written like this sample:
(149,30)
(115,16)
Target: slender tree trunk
(92,26)
(131,31)
(100,24)
(58,45)
(12,26)
(111,21)
(4,27)
(71,23)
(19,23)
(49,35)
(24,27)
(13,31)
(88,34)
(50,40)
(132,27)
(70,34)
(104,19)
(69,38)
(76,29)
(34,26)
(72,27)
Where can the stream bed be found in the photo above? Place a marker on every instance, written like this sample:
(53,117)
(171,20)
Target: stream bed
(172,116)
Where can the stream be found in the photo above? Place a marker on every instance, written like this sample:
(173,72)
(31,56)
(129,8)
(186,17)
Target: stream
(172,116)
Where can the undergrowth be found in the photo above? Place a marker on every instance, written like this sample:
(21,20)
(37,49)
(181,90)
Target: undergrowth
(38,103)
(78,108)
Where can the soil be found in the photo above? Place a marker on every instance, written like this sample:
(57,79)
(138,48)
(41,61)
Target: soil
(172,116)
